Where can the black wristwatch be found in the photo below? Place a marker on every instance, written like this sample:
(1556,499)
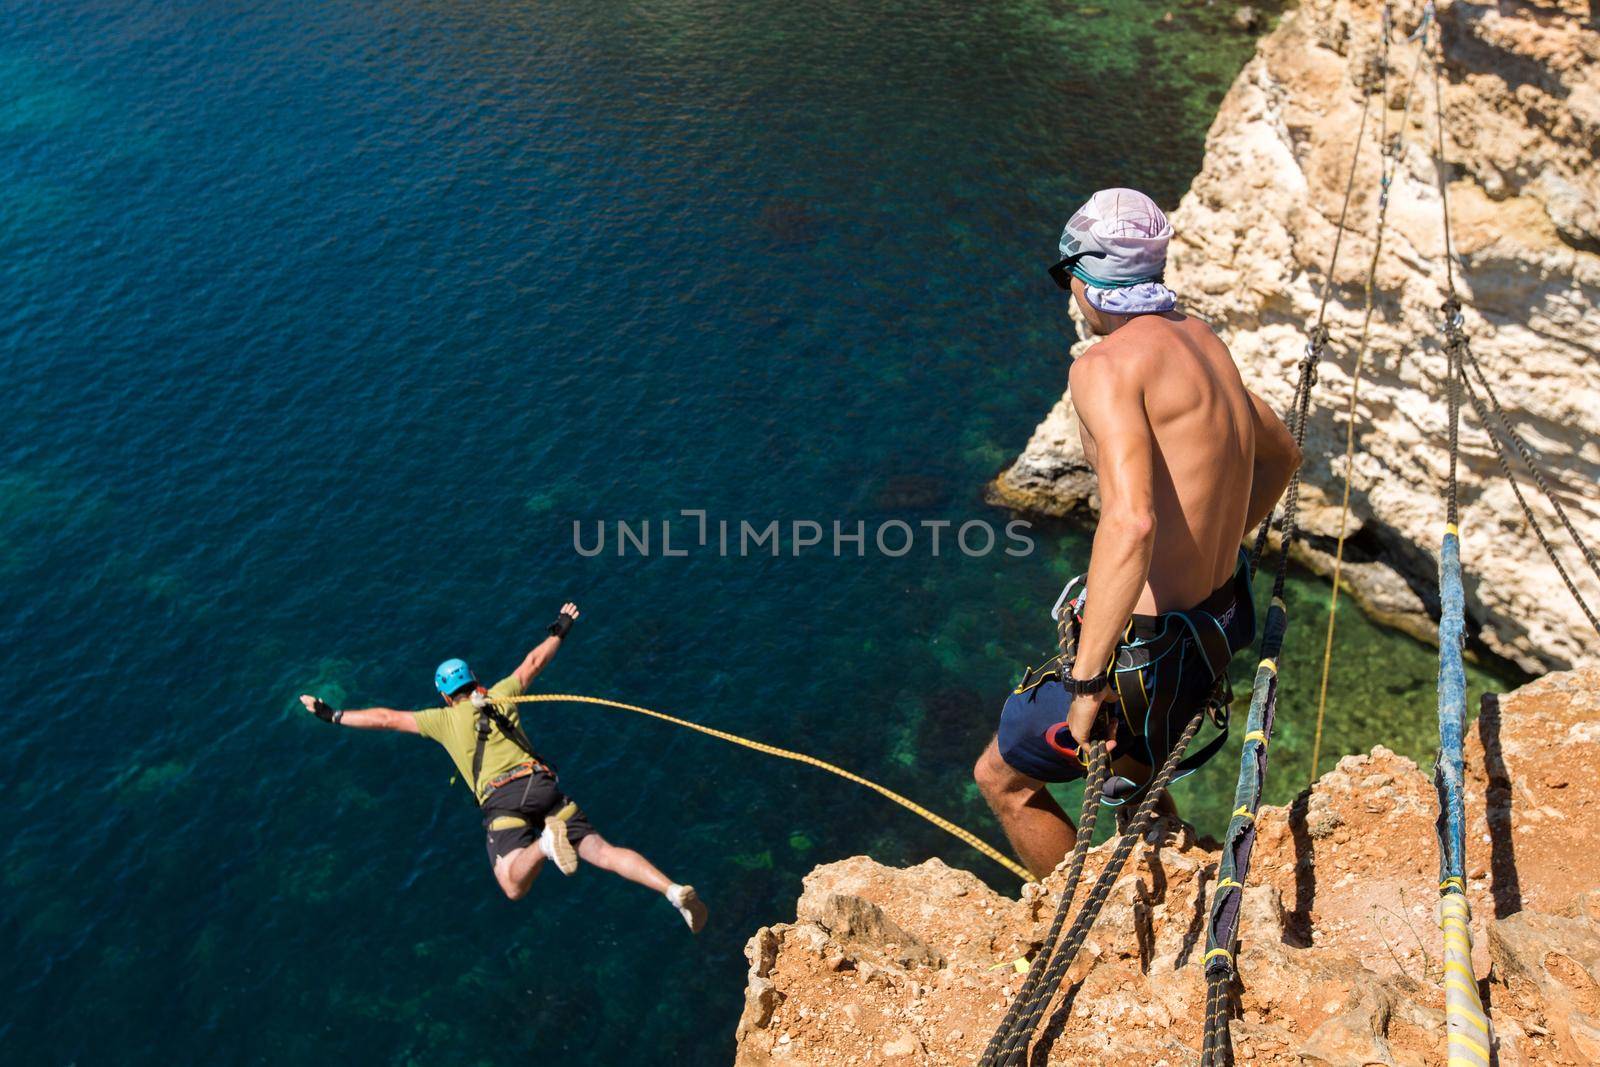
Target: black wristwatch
(1083,687)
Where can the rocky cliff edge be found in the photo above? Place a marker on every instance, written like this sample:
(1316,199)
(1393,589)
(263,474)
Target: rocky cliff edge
(1340,960)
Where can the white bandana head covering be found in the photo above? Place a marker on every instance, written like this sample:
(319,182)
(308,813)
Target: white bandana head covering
(1122,237)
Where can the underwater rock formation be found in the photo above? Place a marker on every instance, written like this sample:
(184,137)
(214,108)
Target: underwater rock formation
(1340,960)
(1521,104)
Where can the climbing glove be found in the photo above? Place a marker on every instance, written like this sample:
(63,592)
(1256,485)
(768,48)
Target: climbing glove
(562,624)
(321,709)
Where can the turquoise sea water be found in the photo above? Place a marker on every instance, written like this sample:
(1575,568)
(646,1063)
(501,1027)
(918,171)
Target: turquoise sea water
(322,325)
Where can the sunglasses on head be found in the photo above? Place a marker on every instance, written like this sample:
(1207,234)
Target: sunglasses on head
(1061,273)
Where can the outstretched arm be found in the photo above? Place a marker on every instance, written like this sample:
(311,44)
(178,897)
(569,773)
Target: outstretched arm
(1110,405)
(363,718)
(1277,458)
(545,651)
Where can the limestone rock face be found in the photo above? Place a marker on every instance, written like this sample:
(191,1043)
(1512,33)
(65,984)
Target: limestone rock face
(1340,956)
(1521,105)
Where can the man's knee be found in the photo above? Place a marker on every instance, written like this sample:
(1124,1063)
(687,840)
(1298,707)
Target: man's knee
(513,889)
(509,885)
(996,780)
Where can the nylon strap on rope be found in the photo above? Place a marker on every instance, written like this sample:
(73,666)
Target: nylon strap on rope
(1466,1025)
(965,836)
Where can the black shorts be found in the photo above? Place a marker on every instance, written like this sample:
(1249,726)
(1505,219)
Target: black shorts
(514,814)
(1163,673)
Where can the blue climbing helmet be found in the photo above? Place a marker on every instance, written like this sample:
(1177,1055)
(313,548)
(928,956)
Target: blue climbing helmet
(452,675)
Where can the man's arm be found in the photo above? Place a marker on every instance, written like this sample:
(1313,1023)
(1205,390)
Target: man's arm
(1277,458)
(1110,405)
(404,722)
(545,650)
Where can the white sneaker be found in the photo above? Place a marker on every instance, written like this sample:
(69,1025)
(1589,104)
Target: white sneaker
(556,847)
(689,905)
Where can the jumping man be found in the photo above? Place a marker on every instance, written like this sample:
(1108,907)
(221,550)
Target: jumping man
(1187,459)
(527,818)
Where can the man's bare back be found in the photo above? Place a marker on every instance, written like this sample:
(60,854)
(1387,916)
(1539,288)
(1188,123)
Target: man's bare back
(1202,421)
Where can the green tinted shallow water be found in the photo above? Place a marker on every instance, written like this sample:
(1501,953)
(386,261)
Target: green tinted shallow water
(327,322)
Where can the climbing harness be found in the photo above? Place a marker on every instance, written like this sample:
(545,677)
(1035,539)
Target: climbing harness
(1392,151)
(491,718)
(1147,681)
(965,836)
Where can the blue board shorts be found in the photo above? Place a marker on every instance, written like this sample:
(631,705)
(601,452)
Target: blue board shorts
(1166,668)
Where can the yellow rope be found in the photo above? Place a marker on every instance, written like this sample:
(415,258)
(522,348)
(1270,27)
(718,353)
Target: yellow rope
(1386,174)
(799,757)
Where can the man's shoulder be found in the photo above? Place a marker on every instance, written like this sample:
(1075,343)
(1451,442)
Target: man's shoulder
(506,687)
(1110,363)
(435,721)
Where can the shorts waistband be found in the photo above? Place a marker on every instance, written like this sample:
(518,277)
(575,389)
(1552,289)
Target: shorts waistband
(1216,603)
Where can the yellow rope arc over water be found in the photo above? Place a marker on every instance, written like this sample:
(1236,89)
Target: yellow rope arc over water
(965,836)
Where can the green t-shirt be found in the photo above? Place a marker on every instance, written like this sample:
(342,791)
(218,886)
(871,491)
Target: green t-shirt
(456,728)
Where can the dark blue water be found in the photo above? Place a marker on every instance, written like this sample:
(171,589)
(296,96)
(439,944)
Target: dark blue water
(323,323)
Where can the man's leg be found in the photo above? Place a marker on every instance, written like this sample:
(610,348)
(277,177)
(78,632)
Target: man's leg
(623,862)
(1039,831)
(516,870)
(626,863)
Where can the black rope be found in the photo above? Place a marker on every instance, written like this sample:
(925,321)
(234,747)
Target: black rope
(1455,337)
(1099,770)
(1527,512)
(1217,1047)
(1319,332)
(1458,358)
(1455,343)
(1527,458)
(1024,1016)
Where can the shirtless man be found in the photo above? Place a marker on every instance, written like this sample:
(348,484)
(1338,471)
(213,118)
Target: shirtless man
(1187,460)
